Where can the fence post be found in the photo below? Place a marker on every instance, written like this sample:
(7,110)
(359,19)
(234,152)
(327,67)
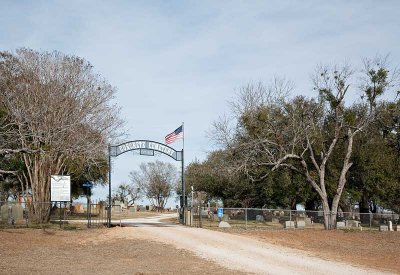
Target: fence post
(200,221)
(26,214)
(245,211)
(370,220)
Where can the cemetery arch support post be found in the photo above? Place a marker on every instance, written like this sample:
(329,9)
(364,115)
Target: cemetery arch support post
(146,148)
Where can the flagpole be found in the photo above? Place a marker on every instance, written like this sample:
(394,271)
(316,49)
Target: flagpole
(183,175)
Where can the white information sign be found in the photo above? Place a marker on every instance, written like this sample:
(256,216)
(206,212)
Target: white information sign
(60,188)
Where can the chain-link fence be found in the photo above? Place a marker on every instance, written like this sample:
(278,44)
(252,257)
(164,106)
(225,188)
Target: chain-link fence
(33,214)
(20,214)
(289,219)
(77,214)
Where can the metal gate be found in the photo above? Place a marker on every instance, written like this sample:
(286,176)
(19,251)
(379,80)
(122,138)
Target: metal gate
(198,210)
(97,215)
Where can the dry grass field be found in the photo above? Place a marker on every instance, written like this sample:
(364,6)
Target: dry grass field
(52,251)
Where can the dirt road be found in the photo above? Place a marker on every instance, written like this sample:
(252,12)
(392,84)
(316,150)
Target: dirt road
(232,251)
(149,246)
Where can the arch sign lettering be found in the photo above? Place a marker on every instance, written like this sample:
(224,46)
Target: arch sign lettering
(146,148)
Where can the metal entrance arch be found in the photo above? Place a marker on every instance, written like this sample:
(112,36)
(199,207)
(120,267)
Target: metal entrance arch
(146,148)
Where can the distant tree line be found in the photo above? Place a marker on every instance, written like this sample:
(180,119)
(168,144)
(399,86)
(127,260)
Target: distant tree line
(333,151)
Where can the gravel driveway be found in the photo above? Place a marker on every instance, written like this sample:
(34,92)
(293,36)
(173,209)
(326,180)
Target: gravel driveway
(232,251)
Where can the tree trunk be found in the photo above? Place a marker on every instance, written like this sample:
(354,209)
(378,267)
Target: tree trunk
(39,169)
(364,208)
(346,209)
(327,213)
(342,179)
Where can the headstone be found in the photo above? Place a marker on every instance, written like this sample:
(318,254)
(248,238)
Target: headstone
(308,221)
(132,209)
(275,220)
(383,228)
(259,218)
(289,224)
(301,224)
(390,226)
(4,212)
(18,213)
(116,209)
(397,228)
(352,223)
(376,222)
(340,225)
(224,224)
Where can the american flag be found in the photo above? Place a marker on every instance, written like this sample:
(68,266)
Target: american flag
(178,133)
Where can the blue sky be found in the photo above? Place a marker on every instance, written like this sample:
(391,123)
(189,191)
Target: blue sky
(174,61)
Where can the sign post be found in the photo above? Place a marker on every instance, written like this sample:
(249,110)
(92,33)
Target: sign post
(88,195)
(60,189)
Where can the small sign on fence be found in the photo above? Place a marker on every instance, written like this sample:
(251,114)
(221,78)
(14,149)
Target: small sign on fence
(88,185)
(220,212)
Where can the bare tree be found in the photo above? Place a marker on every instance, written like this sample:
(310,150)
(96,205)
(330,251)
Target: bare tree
(126,193)
(156,180)
(58,109)
(275,131)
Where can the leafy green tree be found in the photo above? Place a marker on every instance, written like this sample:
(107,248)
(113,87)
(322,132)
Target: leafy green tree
(374,179)
(303,134)
(282,188)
